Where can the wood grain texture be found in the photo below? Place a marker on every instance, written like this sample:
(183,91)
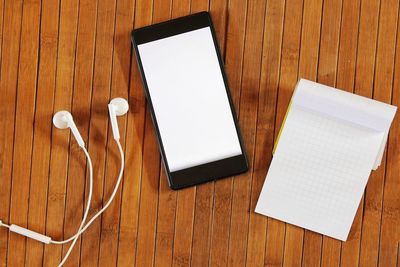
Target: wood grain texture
(59,159)
(384,72)
(239,226)
(42,129)
(81,100)
(77,55)
(372,208)
(9,79)
(271,53)
(24,118)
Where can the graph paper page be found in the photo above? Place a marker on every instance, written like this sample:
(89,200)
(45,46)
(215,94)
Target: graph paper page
(319,171)
(348,107)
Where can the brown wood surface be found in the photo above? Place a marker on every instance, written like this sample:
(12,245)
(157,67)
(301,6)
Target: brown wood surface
(77,55)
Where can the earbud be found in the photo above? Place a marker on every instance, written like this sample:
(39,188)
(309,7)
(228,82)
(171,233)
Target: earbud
(62,120)
(117,107)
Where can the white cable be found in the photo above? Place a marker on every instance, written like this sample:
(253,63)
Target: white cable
(87,206)
(81,230)
(4,225)
(45,239)
(107,204)
(82,227)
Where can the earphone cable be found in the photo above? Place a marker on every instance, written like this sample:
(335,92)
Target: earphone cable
(82,230)
(105,206)
(86,210)
(46,239)
(87,206)
(4,225)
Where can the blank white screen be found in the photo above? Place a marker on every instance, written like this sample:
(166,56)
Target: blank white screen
(189,99)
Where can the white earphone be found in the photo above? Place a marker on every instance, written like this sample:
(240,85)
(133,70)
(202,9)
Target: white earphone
(62,120)
(117,107)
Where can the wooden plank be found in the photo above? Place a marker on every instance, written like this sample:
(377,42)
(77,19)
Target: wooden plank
(184,227)
(146,239)
(329,46)
(398,254)
(99,123)
(234,48)
(42,129)
(1,24)
(219,13)
(387,57)
(234,51)
(310,39)
(288,77)
(60,138)
(275,230)
(390,233)
(24,118)
(149,197)
(81,98)
(134,152)
(366,52)
(247,120)
(204,5)
(290,57)
(165,222)
(345,80)
(309,53)
(271,59)
(327,69)
(8,83)
(347,45)
(185,198)
(119,88)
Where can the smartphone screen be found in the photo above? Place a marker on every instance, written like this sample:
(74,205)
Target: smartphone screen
(189,98)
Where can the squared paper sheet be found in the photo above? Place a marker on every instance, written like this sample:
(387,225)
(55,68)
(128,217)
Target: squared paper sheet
(322,162)
(346,106)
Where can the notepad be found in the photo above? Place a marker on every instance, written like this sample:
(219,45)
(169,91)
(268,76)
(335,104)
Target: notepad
(328,145)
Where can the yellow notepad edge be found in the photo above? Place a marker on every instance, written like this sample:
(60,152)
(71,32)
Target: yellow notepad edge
(280,130)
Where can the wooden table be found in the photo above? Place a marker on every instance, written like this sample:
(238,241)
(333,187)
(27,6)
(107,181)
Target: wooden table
(76,55)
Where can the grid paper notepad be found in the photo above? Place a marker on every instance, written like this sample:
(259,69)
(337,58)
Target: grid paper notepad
(329,143)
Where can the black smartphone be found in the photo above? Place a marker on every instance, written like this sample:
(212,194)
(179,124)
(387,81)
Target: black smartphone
(188,95)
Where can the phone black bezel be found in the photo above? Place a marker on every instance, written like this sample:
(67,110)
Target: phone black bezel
(212,170)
